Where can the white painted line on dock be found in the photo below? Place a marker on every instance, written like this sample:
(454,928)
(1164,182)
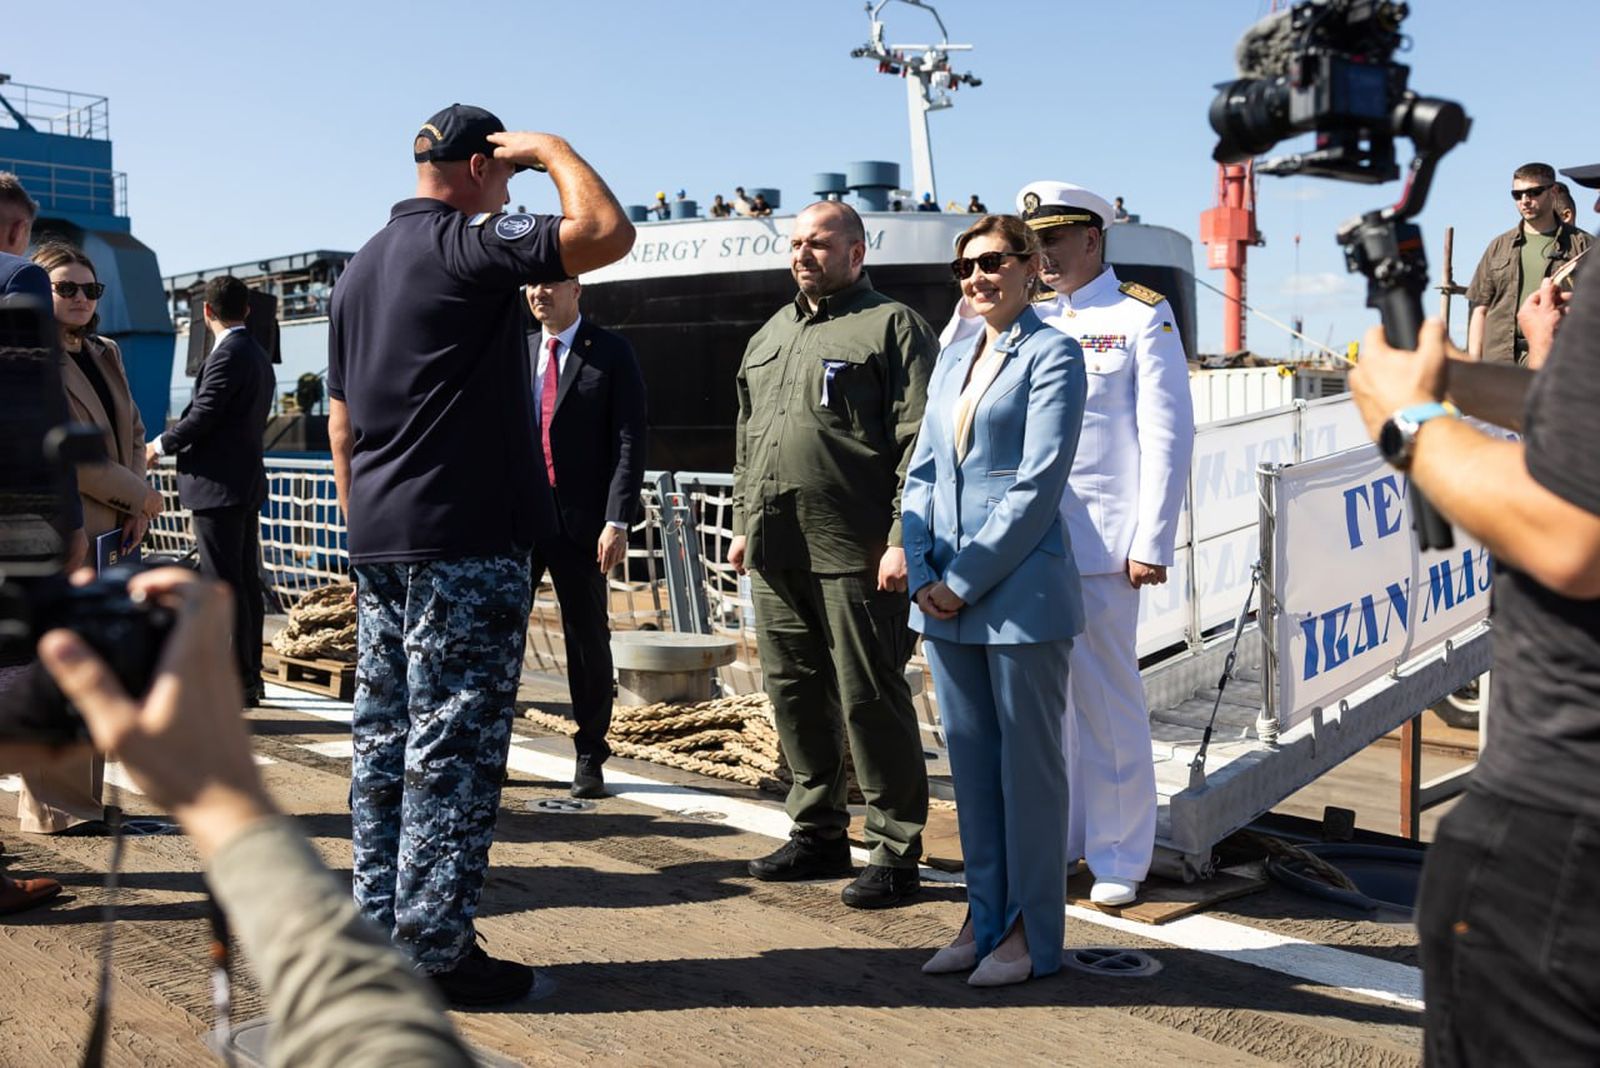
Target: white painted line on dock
(338,750)
(115,775)
(1330,966)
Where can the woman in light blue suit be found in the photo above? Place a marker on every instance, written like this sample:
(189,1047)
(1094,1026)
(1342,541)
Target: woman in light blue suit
(996,598)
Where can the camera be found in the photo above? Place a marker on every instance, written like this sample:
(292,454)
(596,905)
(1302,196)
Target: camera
(1328,66)
(1325,66)
(38,449)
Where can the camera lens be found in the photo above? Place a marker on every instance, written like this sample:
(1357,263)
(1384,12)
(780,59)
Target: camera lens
(1250,116)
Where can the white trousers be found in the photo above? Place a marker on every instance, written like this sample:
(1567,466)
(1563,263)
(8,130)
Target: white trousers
(1111,778)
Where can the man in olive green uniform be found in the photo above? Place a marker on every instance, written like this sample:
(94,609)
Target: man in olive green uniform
(830,400)
(1515,263)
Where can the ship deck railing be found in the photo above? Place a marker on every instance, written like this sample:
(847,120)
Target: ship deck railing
(66,187)
(40,109)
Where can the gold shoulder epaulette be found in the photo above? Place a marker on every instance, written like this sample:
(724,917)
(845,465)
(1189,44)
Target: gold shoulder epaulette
(1142,293)
(1044,296)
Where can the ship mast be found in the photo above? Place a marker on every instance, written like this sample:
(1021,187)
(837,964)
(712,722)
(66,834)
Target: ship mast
(929,83)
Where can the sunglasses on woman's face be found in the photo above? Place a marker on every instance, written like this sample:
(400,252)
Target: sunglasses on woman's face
(91,290)
(988,263)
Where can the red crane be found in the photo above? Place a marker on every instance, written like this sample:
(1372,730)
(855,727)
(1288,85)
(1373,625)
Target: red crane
(1228,230)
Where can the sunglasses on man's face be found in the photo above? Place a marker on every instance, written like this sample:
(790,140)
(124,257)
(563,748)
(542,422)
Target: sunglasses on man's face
(988,263)
(91,290)
(1530,191)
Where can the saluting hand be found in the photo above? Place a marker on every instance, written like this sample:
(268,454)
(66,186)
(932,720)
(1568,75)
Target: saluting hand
(527,148)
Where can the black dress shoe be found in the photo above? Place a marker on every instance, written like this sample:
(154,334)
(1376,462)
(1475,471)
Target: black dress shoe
(255,696)
(481,980)
(878,887)
(587,780)
(805,857)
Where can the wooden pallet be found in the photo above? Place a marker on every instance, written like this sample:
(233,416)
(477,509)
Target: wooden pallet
(330,678)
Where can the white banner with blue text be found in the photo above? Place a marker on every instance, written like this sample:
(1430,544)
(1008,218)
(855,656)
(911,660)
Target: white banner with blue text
(1355,595)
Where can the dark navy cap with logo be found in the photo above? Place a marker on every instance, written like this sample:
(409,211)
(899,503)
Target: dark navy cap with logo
(457,133)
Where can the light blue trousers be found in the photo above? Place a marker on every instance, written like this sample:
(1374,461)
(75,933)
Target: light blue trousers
(1001,710)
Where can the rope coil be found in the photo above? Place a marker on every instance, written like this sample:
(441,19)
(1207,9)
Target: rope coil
(322,626)
(731,738)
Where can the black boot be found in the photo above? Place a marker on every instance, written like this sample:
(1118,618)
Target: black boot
(482,980)
(805,856)
(587,779)
(878,887)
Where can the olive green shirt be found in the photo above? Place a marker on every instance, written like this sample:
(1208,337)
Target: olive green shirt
(1499,280)
(829,407)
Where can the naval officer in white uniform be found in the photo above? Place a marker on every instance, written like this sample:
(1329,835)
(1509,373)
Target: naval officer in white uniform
(1121,508)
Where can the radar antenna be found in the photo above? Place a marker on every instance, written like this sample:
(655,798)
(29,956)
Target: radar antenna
(929,82)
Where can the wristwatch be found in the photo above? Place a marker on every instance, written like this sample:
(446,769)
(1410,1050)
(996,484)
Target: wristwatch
(1399,433)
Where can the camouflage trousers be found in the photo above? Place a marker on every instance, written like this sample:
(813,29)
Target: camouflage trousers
(439,657)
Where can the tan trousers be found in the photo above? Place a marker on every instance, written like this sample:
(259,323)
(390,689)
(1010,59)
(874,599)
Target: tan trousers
(63,795)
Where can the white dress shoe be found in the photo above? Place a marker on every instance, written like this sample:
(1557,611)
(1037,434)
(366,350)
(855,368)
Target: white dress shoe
(1113,892)
(952,959)
(992,971)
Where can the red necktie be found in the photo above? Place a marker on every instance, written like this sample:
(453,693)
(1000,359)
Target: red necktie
(547,406)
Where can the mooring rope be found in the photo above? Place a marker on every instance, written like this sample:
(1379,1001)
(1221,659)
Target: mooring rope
(321,627)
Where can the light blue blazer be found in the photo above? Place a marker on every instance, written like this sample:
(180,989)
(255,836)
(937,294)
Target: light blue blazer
(990,526)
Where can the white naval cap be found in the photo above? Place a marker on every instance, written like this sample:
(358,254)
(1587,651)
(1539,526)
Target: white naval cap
(1043,205)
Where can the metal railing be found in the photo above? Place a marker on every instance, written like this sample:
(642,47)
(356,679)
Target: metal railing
(54,111)
(67,187)
(636,593)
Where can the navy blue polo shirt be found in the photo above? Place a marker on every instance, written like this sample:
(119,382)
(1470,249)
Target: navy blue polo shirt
(425,348)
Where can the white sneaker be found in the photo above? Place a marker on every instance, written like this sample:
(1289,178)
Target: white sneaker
(1111,892)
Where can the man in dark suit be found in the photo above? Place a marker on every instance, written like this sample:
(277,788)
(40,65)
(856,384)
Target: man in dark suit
(588,400)
(221,478)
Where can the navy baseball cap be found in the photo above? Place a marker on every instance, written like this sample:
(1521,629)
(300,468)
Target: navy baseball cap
(1588,177)
(457,133)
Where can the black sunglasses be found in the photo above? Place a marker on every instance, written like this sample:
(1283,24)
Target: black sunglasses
(988,263)
(1531,191)
(91,290)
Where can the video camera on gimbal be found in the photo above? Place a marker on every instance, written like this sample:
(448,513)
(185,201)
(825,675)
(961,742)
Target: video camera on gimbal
(38,448)
(1327,67)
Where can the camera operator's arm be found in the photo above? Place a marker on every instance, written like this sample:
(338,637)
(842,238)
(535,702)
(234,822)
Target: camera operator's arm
(339,993)
(1493,392)
(1480,483)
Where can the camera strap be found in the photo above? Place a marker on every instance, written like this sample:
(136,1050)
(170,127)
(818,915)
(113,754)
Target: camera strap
(94,1050)
(221,982)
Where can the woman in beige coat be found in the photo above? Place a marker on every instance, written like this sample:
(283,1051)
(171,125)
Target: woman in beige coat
(115,497)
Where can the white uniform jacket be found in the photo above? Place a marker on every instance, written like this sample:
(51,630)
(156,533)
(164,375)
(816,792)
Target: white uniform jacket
(1132,468)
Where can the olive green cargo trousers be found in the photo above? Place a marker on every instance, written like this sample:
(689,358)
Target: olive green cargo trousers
(833,652)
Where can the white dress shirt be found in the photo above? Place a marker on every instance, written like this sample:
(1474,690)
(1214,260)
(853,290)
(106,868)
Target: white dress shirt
(541,367)
(541,359)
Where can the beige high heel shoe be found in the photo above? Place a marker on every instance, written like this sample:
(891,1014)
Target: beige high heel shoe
(992,971)
(952,958)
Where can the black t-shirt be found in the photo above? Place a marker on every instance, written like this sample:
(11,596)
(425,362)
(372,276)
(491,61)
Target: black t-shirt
(1544,734)
(425,349)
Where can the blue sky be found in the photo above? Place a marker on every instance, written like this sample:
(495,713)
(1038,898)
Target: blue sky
(256,130)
